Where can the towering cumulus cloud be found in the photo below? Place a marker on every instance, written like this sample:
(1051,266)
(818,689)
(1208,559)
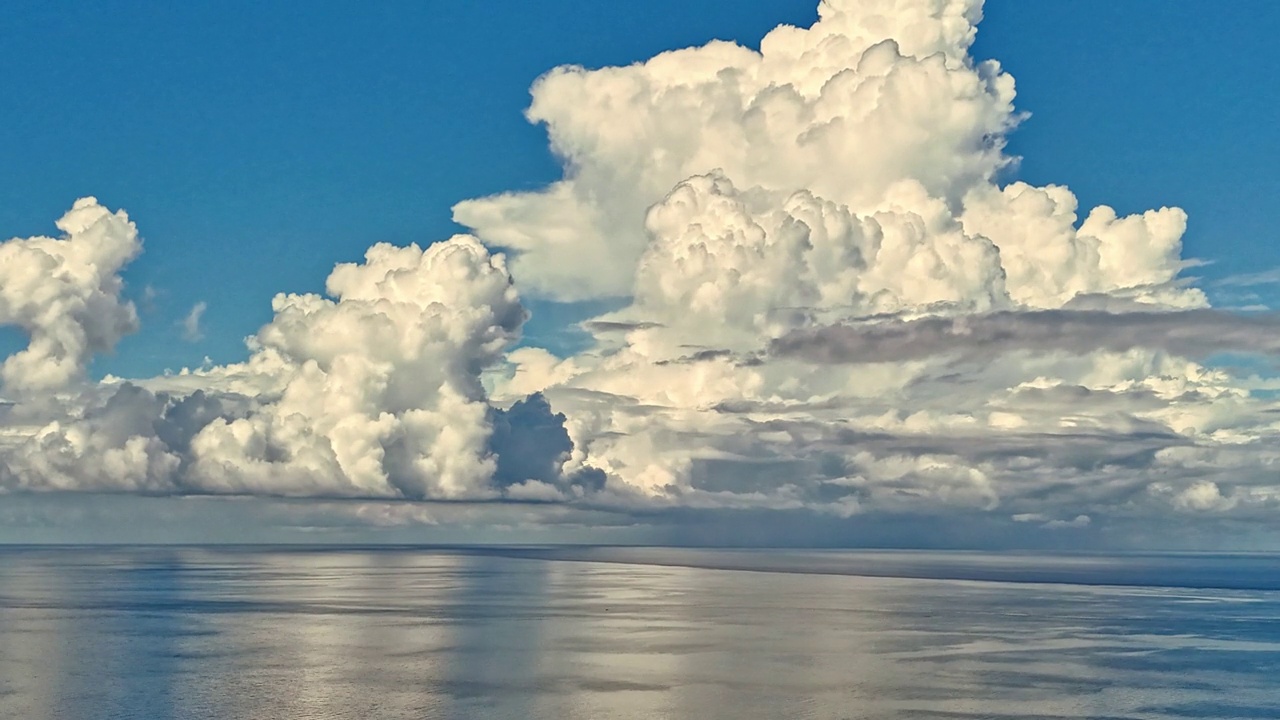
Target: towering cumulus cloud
(877,108)
(838,307)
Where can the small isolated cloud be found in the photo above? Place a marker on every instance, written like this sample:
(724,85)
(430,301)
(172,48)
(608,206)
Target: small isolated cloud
(1200,496)
(1079,521)
(191,331)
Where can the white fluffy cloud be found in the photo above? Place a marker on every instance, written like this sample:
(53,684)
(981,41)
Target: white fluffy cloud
(834,308)
(64,293)
(845,178)
(872,95)
(373,391)
(877,109)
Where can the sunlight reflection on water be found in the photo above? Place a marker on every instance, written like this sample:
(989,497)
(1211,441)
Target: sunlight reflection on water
(361,633)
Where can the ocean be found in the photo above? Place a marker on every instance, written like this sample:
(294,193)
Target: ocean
(578,632)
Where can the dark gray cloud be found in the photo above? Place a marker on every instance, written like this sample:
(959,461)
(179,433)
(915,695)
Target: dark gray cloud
(530,442)
(1193,333)
(184,417)
(710,354)
(605,326)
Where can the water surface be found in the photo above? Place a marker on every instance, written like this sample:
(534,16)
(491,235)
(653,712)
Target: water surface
(286,633)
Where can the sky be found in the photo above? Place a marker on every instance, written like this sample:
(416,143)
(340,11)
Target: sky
(842,286)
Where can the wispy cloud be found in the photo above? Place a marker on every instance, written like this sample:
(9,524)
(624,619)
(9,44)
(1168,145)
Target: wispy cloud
(191,331)
(1264,277)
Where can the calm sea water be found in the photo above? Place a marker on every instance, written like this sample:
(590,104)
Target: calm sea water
(260,633)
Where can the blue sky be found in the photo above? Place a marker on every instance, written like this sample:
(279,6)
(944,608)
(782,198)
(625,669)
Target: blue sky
(258,144)
(960,353)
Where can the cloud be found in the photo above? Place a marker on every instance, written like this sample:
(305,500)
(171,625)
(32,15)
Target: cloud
(374,392)
(1254,279)
(191,331)
(1194,333)
(532,449)
(887,89)
(778,217)
(371,392)
(838,321)
(877,109)
(64,293)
